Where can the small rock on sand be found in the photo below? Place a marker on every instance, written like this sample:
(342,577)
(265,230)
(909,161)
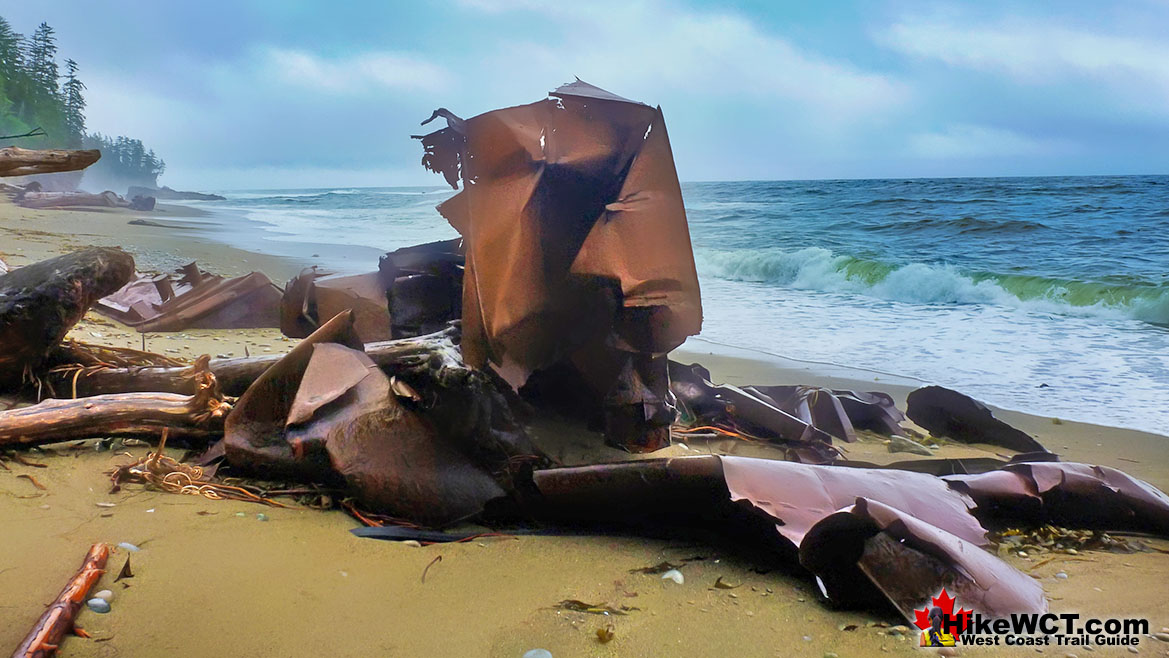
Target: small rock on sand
(100,606)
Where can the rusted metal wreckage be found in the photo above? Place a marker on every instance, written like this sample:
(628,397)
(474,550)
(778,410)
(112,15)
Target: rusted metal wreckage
(572,280)
(416,290)
(575,261)
(194,299)
(578,251)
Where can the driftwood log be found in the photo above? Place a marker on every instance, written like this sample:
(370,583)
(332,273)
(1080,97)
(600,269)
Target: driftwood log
(39,303)
(105,199)
(57,619)
(195,417)
(15,161)
(236,375)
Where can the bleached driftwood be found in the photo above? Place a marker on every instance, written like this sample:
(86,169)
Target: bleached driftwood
(235,375)
(15,161)
(198,416)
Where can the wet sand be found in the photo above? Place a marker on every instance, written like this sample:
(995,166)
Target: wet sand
(211,578)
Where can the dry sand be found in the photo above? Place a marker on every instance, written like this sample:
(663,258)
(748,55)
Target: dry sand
(213,579)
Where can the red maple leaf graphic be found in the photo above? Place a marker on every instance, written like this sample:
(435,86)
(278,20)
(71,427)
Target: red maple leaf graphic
(946,603)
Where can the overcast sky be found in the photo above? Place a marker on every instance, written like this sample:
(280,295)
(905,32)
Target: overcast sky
(285,93)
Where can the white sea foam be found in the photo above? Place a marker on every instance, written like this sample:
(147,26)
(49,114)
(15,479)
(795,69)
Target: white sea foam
(816,268)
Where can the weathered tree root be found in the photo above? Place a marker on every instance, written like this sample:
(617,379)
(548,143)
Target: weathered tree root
(236,375)
(158,470)
(57,619)
(40,303)
(199,416)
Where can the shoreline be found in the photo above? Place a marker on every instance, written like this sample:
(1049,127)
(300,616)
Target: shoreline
(164,248)
(267,588)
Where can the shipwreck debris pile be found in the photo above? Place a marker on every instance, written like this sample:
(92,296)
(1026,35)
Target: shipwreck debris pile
(414,387)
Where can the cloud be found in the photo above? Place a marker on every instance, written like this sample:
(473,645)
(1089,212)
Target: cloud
(1040,52)
(655,46)
(355,73)
(973,141)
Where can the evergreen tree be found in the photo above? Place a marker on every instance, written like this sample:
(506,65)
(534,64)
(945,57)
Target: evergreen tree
(11,60)
(31,96)
(13,79)
(125,160)
(74,104)
(42,60)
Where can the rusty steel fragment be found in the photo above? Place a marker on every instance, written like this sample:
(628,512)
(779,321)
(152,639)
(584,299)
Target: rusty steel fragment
(948,413)
(1067,494)
(908,561)
(748,412)
(576,238)
(327,296)
(435,446)
(424,286)
(868,535)
(805,417)
(800,495)
(194,299)
(415,291)
(837,412)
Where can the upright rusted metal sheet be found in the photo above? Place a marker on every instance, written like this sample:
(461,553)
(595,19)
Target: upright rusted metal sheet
(576,237)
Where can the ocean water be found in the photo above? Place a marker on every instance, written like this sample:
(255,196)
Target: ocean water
(1046,295)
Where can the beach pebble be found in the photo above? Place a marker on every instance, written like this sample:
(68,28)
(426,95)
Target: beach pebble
(538,653)
(1164,637)
(129,547)
(104,504)
(412,543)
(105,595)
(98,605)
(240,514)
(261,517)
(674,575)
(1061,575)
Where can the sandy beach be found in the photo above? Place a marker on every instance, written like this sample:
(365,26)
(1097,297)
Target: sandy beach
(213,578)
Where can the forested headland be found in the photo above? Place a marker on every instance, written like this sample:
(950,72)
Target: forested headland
(42,105)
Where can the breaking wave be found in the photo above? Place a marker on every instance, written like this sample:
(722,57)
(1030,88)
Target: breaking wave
(815,268)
